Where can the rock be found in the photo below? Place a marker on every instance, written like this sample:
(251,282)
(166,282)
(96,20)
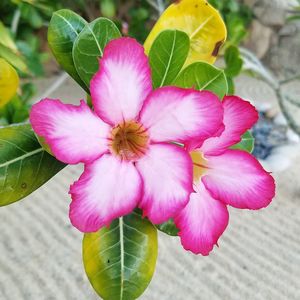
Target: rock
(268,136)
(271,12)
(284,58)
(272,112)
(281,158)
(259,39)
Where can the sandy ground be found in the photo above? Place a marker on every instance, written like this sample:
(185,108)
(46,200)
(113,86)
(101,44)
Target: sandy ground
(258,257)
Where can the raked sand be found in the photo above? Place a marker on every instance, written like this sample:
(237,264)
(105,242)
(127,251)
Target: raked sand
(258,257)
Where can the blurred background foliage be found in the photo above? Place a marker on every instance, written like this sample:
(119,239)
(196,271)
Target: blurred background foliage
(23,32)
(295,13)
(237,17)
(27,21)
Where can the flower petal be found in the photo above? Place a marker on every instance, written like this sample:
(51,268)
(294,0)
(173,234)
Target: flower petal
(107,189)
(239,116)
(123,81)
(74,133)
(201,222)
(176,114)
(167,175)
(238,179)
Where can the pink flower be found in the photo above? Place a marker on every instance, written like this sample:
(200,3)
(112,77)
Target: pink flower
(223,177)
(125,143)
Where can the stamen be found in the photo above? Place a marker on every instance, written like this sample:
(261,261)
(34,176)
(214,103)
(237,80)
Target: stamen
(129,140)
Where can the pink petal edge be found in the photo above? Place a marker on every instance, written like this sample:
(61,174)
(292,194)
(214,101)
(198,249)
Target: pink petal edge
(181,115)
(123,82)
(166,171)
(201,222)
(239,116)
(74,133)
(107,189)
(236,178)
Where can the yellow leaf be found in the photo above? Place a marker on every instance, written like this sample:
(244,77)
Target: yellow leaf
(200,21)
(9,82)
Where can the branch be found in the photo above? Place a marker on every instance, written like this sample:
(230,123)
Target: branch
(292,101)
(254,65)
(161,6)
(289,118)
(292,78)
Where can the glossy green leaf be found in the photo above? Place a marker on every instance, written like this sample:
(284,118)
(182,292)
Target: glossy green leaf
(89,46)
(246,144)
(203,76)
(233,60)
(167,56)
(24,165)
(13,58)
(64,27)
(169,228)
(120,260)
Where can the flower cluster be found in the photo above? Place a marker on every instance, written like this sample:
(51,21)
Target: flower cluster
(166,151)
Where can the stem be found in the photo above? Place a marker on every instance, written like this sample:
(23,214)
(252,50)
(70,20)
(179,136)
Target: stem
(57,83)
(159,5)
(15,21)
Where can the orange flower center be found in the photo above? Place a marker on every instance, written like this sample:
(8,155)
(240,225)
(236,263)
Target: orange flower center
(129,140)
(199,165)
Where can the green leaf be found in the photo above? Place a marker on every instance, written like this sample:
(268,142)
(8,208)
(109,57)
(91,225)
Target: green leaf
(31,15)
(168,227)
(64,28)
(167,56)
(200,21)
(89,46)
(6,39)
(120,260)
(246,144)
(233,60)
(13,58)
(24,165)
(203,76)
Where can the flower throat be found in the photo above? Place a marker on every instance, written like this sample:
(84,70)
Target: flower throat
(129,140)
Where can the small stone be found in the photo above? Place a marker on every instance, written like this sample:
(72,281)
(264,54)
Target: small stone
(280,119)
(268,136)
(271,12)
(272,113)
(284,57)
(259,39)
